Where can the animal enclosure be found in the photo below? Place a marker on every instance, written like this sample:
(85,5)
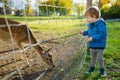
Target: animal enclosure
(58,34)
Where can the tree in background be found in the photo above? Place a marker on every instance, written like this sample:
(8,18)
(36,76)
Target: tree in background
(117,2)
(79,8)
(28,10)
(5,4)
(68,5)
(88,3)
(112,11)
(62,7)
(4,1)
(103,2)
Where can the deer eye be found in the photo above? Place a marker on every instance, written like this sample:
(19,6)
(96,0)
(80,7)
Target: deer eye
(49,55)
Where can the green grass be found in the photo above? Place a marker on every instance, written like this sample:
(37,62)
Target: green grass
(112,51)
(111,56)
(36,18)
(56,27)
(51,24)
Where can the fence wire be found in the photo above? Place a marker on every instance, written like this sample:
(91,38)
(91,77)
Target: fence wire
(14,52)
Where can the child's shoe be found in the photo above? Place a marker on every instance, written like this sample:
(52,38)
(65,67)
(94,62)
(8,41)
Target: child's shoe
(91,69)
(102,72)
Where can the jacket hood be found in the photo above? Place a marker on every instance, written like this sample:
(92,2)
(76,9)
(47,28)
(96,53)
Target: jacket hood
(100,20)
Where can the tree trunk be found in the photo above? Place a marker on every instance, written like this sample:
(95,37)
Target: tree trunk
(99,4)
(88,3)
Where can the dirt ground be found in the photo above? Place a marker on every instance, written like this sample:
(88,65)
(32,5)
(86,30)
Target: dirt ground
(62,49)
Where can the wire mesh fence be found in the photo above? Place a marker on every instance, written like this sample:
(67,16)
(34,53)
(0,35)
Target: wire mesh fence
(16,62)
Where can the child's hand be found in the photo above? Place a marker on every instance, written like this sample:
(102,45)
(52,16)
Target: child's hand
(81,32)
(89,39)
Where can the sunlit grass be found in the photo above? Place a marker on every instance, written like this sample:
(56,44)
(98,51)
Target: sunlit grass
(111,56)
(36,18)
(57,26)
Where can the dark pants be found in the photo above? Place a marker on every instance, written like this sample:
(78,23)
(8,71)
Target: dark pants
(97,55)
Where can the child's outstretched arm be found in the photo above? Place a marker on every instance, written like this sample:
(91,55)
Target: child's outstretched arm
(84,33)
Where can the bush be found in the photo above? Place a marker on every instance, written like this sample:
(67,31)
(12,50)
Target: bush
(115,11)
(104,12)
(112,12)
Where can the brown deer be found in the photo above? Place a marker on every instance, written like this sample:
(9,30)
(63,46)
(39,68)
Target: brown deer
(20,35)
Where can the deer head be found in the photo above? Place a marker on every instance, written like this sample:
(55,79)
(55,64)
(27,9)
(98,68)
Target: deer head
(48,58)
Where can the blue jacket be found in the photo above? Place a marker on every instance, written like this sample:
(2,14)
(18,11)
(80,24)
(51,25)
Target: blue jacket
(98,32)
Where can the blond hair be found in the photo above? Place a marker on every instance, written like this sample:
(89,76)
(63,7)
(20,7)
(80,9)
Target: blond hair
(93,11)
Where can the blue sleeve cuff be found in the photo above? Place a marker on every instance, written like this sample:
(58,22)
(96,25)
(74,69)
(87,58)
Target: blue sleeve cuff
(85,33)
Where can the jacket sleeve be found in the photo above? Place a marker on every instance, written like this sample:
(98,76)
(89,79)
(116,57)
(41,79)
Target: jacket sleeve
(101,32)
(85,33)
